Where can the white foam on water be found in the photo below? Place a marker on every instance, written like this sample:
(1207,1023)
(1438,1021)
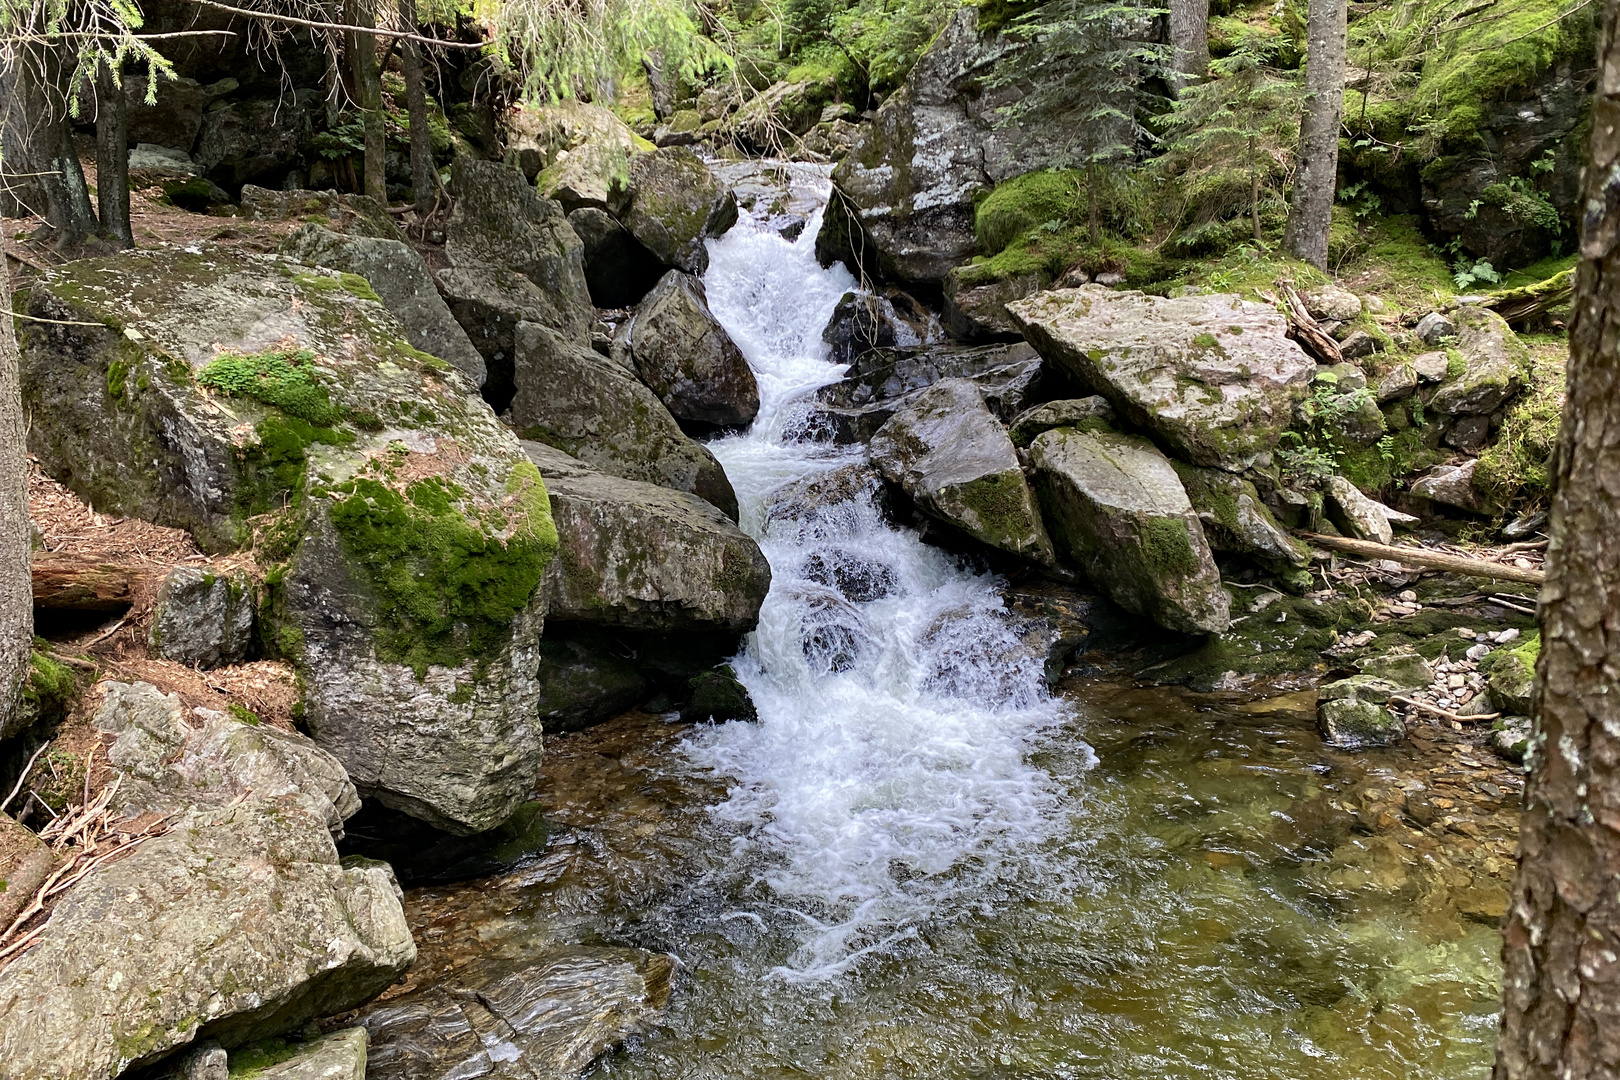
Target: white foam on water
(887,777)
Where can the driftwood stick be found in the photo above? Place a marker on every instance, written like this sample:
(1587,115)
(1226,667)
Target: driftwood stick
(1426,559)
(1304,329)
(1438,711)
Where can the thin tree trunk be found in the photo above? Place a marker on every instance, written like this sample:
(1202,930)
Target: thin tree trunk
(1318,175)
(16,543)
(1561,937)
(51,153)
(1091,197)
(1189,42)
(112,158)
(367,75)
(1254,188)
(424,181)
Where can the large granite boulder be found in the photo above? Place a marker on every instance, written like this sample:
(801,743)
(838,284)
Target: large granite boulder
(1213,377)
(1497,364)
(1236,520)
(686,357)
(772,118)
(257,139)
(1116,508)
(233,394)
(908,186)
(582,151)
(349,214)
(203,619)
(399,277)
(644,557)
(237,923)
(584,404)
(676,204)
(1009,378)
(947,451)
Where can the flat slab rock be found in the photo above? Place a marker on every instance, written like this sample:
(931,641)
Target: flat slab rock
(1212,376)
(545,1017)
(1117,509)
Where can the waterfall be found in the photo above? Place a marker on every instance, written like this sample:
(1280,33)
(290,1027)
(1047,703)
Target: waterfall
(887,780)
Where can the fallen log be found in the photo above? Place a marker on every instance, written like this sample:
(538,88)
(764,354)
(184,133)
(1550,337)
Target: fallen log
(1525,303)
(73,583)
(1425,559)
(1304,329)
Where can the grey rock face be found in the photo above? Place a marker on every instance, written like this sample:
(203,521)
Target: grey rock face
(352,215)
(1236,519)
(1116,508)
(587,406)
(203,619)
(399,277)
(676,204)
(1356,514)
(1212,376)
(1070,412)
(644,557)
(257,139)
(1333,302)
(549,1015)
(1431,366)
(890,374)
(979,311)
(391,689)
(771,118)
(686,357)
(618,269)
(1497,362)
(238,923)
(947,451)
(1399,382)
(584,151)
(1435,327)
(1452,485)
(176,116)
(1511,737)
(584,682)
(338,1056)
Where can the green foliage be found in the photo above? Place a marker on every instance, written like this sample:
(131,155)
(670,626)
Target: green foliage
(1467,273)
(883,39)
(50,685)
(242,714)
(446,587)
(274,466)
(285,379)
(1514,471)
(1315,448)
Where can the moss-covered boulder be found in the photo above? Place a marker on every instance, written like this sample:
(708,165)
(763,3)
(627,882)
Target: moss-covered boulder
(1236,520)
(1511,737)
(686,357)
(1214,377)
(639,556)
(203,619)
(583,151)
(237,923)
(769,121)
(1066,412)
(676,204)
(582,403)
(953,457)
(1354,723)
(717,698)
(406,534)
(1116,509)
(340,1055)
(1512,678)
(1496,365)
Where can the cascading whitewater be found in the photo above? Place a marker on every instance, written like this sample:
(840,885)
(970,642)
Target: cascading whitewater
(886,778)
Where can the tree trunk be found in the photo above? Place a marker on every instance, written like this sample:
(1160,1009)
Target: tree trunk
(1189,42)
(112,158)
(1254,189)
(16,540)
(1092,213)
(424,181)
(1317,179)
(51,153)
(1561,937)
(367,75)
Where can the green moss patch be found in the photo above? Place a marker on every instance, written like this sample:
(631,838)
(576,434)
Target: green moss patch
(1515,470)
(285,379)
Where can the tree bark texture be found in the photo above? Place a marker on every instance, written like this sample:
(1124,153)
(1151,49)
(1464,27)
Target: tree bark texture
(112,158)
(1189,42)
(16,541)
(74,583)
(367,75)
(1316,180)
(48,136)
(1561,936)
(424,181)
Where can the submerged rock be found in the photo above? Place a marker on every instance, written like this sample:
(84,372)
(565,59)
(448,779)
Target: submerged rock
(238,923)
(1116,509)
(584,404)
(686,357)
(947,451)
(717,697)
(412,534)
(548,1015)
(203,619)
(1213,376)
(422,855)
(644,557)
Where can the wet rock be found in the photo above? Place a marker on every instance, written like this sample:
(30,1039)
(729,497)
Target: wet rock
(863,322)
(1399,382)
(1077,621)
(1406,670)
(643,557)
(338,1056)
(947,451)
(856,577)
(686,357)
(548,1015)
(1351,714)
(980,311)
(676,204)
(771,118)
(238,923)
(384,652)
(1236,520)
(1354,514)
(589,407)
(717,697)
(618,270)
(422,855)
(1071,412)
(1452,485)
(583,150)
(25,862)
(1511,737)
(399,277)
(585,679)
(1434,328)
(203,619)
(1496,364)
(1213,376)
(501,223)
(825,505)
(352,215)
(1116,509)
(891,374)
